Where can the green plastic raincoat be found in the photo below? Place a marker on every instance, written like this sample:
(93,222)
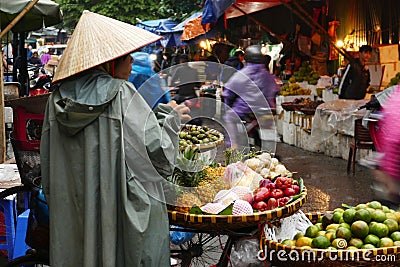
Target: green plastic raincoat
(104,157)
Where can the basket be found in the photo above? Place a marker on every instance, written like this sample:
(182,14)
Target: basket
(288,106)
(209,145)
(234,222)
(308,111)
(378,257)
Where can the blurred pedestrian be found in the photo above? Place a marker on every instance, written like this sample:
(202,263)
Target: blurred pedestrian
(103,154)
(185,78)
(356,77)
(250,91)
(389,143)
(45,56)
(235,63)
(148,83)
(35,60)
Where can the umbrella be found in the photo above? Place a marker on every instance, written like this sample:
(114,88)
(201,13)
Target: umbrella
(44,13)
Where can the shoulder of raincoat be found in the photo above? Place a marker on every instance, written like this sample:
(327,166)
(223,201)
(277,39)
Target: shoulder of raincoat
(102,170)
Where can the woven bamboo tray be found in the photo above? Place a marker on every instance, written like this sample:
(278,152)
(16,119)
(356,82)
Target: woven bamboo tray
(234,222)
(379,257)
(209,145)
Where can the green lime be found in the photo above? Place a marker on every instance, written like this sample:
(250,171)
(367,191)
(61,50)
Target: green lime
(391,215)
(351,248)
(348,215)
(320,242)
(303,241)
(330,235)
(378,216)
(371,239)
(374,204)
(356,242)
(331,248)
(338,210)
(396,243)
(368,246)
(395,236)
(343,232)
(288,242)
(333,226)
(345,225)
(298,235)
(320,226)
(339,243)
(385,242)
(359,229)
(361,206)
(379,229)
(337,215)
(312,231)
(362,215)
(385,209)
(392,225)
(321,233)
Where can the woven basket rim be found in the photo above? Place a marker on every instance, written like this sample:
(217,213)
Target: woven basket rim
(229,221)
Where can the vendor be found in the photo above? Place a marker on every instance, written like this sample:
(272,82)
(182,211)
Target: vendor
(356,78)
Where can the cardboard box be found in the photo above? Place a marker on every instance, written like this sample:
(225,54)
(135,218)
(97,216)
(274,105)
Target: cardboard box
(385,54)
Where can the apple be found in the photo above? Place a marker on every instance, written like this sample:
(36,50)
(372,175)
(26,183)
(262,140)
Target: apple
(261,194)
(272,203)
(261,206)
(277,193)
(289,191)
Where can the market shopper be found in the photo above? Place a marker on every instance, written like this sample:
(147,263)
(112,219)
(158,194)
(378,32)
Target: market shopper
(154,91)
(388,173)
(234,64)
(35,60)
(250,91)
(356,77)
(104,155)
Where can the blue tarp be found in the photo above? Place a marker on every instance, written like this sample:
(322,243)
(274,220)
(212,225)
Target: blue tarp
(165,28)
(214,9)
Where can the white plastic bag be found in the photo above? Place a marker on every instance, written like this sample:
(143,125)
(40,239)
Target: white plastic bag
(245,253)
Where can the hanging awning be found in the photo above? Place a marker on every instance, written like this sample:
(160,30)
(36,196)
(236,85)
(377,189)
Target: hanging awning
(43,14)
(213,9)
(164,28)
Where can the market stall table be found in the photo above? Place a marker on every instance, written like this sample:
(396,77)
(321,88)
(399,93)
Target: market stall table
(330,130)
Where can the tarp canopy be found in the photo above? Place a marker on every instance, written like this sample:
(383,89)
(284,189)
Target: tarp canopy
(165,28)
(213,9)
(44,13)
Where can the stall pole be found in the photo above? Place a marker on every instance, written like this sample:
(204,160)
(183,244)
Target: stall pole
(3,148)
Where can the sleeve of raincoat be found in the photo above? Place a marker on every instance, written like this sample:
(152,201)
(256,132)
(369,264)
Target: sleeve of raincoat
(150,138)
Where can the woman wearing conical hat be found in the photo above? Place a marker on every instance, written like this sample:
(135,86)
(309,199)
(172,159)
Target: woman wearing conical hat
(104,155)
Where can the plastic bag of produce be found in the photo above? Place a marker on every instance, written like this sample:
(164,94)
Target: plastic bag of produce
(245,253)
(238,174)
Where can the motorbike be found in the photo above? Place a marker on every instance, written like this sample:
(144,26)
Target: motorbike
(40,82)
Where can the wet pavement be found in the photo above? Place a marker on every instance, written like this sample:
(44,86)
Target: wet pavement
(326,179)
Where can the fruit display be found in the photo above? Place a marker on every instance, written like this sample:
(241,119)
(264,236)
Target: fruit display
(193,135)
(301,103)
(305,73)
(394,81)
(365,226)
(293,89)
(257,184)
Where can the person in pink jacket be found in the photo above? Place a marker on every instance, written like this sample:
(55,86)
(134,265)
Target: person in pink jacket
(389,164)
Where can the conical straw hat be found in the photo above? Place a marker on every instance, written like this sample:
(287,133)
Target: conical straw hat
(98,39)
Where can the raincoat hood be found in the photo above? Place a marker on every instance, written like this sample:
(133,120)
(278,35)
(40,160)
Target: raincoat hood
(81,101)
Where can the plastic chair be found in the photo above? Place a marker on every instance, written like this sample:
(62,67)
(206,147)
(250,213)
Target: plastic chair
(8,207)
(362,140)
